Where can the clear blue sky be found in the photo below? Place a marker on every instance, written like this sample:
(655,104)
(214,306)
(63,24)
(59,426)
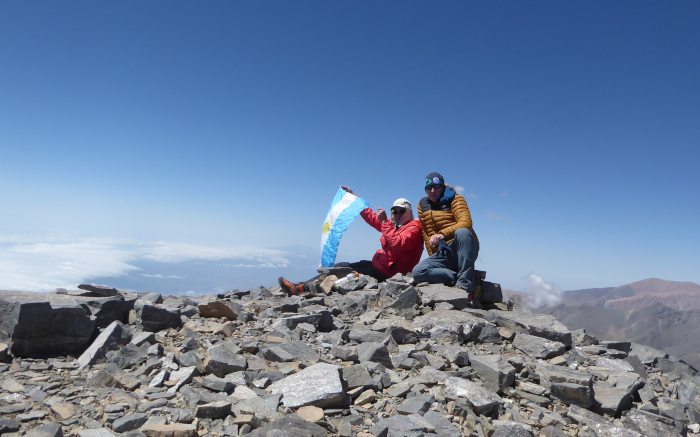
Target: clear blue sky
(185,132)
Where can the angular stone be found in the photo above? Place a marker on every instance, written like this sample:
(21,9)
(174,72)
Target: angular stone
(442,426)
(11,385)
(156,318)
(220,308)
(615,364)
(99,290)
(647,355)
(404,426)
(129,422)
(506,428)
(181,377)
(672,408)
(434,294)
(170,430)
(290,351)
(321,320)
(374,352)
(112,376)
(486,333)
(345,353)
(480,399)
(213,410)
(415,405)
(406,300)
(358,376)
(319,385)
(496,373)
(453,353)
(44,324)
(366,397)
(490,293)
(214,383)
(402,334)
(224,358)
(97,432)
(568,385)
(649,424)
(191,359)
(363,335)
(398,390)
(540,325)
(129,356)
(538,347)
(289,425)
(65,410)
(31,415)
(110,337)
(46,430)
(245,400)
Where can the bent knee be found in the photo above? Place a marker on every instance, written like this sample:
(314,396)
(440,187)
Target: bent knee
(464,235)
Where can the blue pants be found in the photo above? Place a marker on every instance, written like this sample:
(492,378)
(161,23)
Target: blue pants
(455,269)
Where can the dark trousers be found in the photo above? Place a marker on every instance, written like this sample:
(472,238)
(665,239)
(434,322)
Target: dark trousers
(454,269)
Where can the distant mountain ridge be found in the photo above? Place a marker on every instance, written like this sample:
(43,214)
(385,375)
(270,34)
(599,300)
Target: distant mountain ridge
(637,295)
(654,312)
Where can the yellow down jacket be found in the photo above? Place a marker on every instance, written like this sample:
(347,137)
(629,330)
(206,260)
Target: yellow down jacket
(444,217)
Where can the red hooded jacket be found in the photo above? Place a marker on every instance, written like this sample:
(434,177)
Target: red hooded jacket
(401,248)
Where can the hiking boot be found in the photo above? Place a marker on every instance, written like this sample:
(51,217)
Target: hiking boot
(290,288)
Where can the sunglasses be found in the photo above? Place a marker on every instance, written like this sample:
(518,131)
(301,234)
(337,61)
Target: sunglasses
(398,211)
(433,187)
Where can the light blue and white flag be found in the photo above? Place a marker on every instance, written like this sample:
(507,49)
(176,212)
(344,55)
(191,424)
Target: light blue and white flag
(343,210)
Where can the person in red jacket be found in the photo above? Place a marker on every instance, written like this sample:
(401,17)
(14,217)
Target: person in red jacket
(401,240)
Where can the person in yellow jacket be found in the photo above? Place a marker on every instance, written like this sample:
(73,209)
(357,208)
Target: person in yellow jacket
(446,225)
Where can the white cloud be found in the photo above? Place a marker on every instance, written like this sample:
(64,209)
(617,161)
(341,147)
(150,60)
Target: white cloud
(545,293)
(497,216)
(505,193)
(44,264)
(460,190)
(159,276)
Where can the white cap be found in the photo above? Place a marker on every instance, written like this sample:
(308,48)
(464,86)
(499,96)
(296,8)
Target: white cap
(402,203)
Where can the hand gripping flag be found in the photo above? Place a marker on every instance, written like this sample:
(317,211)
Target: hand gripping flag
(343,210)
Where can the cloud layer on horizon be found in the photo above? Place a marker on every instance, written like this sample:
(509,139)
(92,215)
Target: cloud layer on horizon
(32,263)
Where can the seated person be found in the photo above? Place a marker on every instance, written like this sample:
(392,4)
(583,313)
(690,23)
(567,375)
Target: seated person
(401,241)
(448,235)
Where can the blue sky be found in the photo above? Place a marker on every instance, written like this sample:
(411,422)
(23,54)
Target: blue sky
(196,146)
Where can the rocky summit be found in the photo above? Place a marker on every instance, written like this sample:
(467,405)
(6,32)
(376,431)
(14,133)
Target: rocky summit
(356,358)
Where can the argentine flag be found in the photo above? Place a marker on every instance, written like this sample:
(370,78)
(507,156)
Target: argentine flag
(343,210)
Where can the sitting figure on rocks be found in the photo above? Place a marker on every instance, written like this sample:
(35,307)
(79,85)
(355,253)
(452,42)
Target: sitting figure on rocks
(401,242)
(448,235)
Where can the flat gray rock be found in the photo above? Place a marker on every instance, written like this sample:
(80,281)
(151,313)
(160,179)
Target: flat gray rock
(374,352)
(319,385)
(434,294)
(538,347)
(416,405)
(481,399)
(289,426)
(496,372)
(540,325)
(290,351)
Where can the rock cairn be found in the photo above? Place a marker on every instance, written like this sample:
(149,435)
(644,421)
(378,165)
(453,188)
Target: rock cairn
(358,359)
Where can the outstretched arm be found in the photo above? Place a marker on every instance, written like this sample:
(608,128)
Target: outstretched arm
(372,219)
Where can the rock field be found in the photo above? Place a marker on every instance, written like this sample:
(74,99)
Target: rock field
(361,359)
